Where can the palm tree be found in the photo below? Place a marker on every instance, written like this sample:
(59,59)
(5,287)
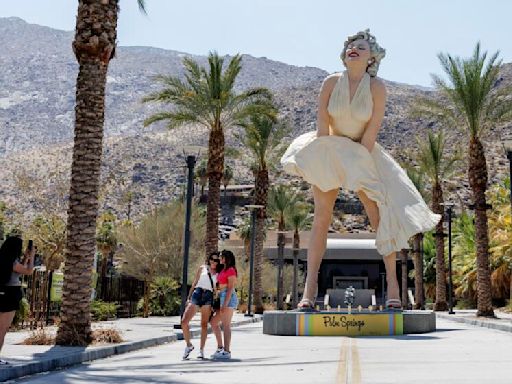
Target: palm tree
(227,176)
(471,101)
(299,218)
(106,241)
(262,135)
(280,200)
(437,166)
(404,255)
(94,46)
(207,98)
(202,175)
(417,241)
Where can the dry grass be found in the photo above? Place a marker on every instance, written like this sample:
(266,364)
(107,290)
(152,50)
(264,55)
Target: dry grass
(106,336)
(40,337)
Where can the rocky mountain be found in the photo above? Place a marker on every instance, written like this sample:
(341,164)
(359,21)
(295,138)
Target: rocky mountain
(37,79)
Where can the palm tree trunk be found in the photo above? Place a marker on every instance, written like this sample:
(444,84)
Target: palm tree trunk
(477,173)
(260,198)
(296,248)
(437,200)
(403,262)
(280,262)
(215,170)
(94,46)
(418,272)
(258,264)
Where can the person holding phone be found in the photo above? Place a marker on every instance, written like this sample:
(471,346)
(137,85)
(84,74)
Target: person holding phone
(11,269)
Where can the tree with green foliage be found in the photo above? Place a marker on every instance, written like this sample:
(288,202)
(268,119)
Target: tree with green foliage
(94,46)
(299,219)
(202,175)
(154,247)
(262,136)
(106,239)
(227,176)
(471,101)
(281,200)
(207,98)
(437,165)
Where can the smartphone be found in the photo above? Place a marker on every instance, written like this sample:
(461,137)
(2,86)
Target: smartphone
(30,245)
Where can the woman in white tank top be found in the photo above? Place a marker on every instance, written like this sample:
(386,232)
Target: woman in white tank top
(200,296)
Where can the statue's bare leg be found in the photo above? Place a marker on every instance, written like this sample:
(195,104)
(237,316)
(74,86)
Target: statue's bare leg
(372,210)
(324,203)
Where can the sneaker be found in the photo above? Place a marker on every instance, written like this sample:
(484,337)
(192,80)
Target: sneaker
(224,355)
(201,354)
(4,362)
(187,351)
(217,353)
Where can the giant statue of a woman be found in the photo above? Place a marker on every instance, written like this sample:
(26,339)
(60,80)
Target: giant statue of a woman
(343,153)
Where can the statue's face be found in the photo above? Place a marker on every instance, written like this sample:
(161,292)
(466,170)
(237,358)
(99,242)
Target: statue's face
(357,51)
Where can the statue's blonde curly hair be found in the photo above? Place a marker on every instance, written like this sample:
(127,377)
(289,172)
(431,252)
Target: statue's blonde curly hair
(377,53)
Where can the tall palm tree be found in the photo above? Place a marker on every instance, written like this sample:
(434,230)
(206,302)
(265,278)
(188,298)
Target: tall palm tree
(437,165)
(202,175)
(227,176)
(418,180)
(299,219)
(94,46)
(262,135)
(106,240)
(417,241)
(207,97)
(471,101)
(280,200)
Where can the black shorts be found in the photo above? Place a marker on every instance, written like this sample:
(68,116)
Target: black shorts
(10,298)
(202,297)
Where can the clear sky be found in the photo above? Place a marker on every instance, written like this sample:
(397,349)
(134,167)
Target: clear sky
(303,32)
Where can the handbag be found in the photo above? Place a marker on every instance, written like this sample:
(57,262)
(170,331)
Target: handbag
(216,298)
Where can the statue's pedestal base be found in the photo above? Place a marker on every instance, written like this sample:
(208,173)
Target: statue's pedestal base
(334,323)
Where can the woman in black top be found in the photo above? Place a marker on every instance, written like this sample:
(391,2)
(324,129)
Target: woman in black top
(10,285)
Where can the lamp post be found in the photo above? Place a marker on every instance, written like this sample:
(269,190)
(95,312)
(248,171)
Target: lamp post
(254,209)
(191,162)
(449,211)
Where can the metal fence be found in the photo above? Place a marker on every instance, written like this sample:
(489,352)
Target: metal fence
(122,290)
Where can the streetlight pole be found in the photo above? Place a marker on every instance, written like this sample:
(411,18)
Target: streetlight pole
(450,282)
(191,161)
(253,209)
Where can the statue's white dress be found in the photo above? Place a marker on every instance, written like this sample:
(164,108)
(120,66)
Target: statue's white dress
(339,160)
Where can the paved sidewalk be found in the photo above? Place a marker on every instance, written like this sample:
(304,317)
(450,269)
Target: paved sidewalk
(502,321)
(137,333)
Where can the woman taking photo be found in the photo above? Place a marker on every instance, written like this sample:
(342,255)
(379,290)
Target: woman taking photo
(11,268)
(200,296)
(228,303)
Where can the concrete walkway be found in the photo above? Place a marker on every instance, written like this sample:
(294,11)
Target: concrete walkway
(137,333)
(502,321)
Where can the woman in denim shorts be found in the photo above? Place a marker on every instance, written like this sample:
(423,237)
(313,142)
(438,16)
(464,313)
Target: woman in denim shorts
(200,296)
(228,303)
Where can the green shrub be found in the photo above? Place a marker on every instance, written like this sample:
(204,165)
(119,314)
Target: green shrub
(465,304)
(22,313)
(164,298)
(103,311)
